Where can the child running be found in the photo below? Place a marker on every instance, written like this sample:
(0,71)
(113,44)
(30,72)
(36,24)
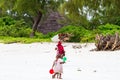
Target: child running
(57,67)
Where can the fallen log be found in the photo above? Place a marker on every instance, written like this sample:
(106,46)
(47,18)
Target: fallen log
(108,42)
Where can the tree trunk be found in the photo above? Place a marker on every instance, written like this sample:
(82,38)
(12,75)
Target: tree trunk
(35,24)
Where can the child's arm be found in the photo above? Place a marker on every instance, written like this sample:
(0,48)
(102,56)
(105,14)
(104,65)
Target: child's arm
(56,48)
(53,64)
(62,62)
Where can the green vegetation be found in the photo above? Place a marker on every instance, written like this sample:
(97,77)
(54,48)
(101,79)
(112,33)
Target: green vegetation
(92,13)
(19,19)
(108,29)
(13,28)
(83,35)
(13,31)
(8,40)
(30,10)
(79,33)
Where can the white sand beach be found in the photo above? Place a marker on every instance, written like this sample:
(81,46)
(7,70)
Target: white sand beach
(33,62)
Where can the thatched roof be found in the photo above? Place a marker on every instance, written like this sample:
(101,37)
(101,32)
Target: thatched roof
(52,23)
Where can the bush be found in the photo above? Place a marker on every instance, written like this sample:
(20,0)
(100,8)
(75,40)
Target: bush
(78,32)
(6,21)
(89,36)
(13,28)
(108,29)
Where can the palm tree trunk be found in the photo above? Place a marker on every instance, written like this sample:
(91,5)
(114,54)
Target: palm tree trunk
(35,24)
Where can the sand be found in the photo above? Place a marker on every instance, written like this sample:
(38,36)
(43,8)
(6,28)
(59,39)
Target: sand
(33,62)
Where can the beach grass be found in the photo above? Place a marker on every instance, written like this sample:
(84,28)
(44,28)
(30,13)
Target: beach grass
(8,40)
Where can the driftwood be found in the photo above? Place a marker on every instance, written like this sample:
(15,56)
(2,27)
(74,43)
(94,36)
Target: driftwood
(108,42)
(64,36)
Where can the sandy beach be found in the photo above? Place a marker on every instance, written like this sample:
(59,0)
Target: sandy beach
(33,61)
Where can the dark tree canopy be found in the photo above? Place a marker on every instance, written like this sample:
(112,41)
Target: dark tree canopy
(91,13)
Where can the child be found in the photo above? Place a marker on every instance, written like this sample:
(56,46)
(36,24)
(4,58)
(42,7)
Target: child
(60,49)
(57,67)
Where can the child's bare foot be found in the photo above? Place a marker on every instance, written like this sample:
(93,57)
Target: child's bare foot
(60,78)
(53,76)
